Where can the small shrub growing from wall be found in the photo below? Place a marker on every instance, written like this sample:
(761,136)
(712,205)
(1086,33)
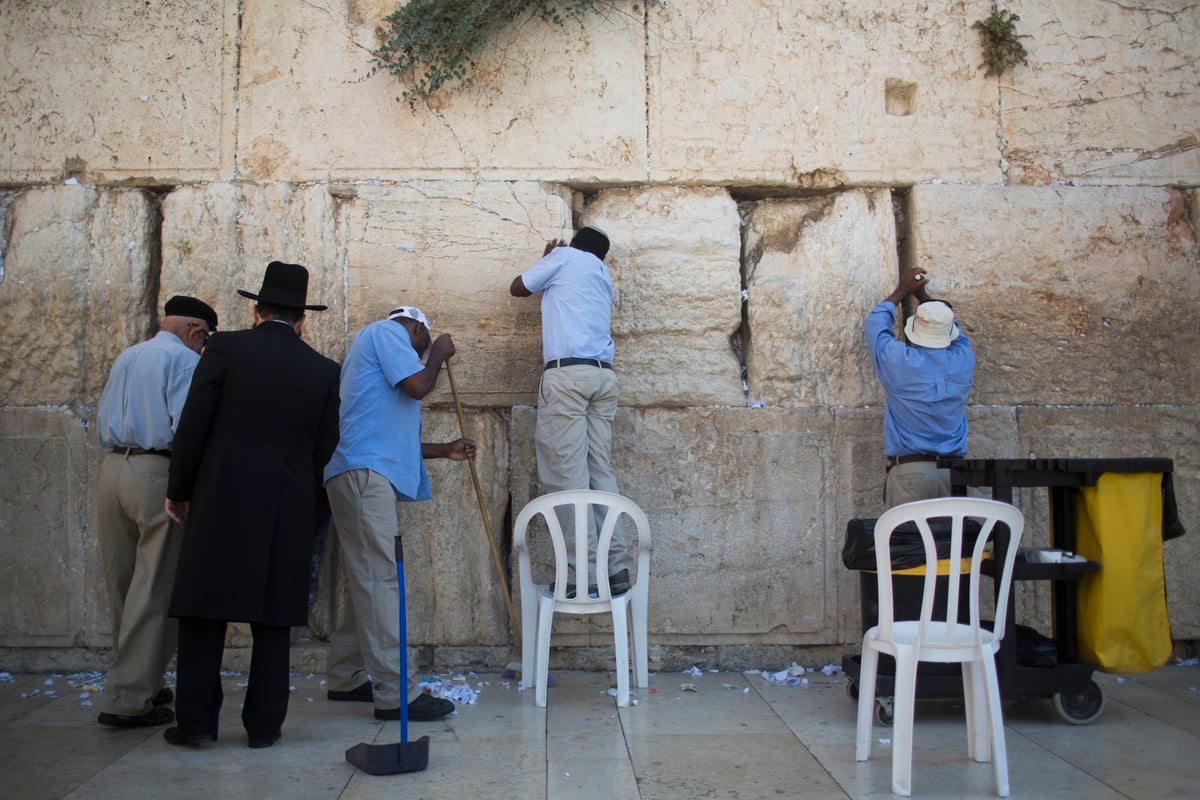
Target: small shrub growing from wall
(1001,49)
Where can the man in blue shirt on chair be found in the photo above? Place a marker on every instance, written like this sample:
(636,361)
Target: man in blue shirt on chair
(926,381)
(379,461)
(577,398)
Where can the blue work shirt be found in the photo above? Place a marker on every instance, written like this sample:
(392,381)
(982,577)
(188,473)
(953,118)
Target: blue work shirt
(379,423)
(926,388)
(577,295)
(144,395)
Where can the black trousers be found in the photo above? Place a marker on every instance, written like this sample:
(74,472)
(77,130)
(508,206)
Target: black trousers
(198,693)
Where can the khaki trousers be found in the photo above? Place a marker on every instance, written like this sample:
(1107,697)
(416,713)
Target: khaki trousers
(139,547)
(367,643)
(573,442)
(916,480)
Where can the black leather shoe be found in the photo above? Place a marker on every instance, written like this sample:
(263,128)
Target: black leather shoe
(619,583)
(363,694)
(163,696)
(181,737)
(258,744)
(425,708)
(151,719)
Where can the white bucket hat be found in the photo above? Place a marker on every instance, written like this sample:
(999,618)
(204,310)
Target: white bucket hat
(932,325)
(409,312)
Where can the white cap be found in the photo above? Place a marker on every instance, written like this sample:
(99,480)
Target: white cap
(409,312)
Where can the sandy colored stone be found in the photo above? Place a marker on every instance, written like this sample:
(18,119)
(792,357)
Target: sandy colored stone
(1109,95)
(43,526)
(78,272)
(115,91)
(819,95)
(813,269)
(738,514)
(218,238)
(452,248)
(677,295)
(552,102)
(1069,295)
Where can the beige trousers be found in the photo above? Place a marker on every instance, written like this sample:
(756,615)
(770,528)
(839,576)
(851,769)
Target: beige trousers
(916,480)
(367,643)
(139,546)
(573,441)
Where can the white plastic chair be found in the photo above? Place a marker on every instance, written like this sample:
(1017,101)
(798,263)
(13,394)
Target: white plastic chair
(539,601)
(944,638)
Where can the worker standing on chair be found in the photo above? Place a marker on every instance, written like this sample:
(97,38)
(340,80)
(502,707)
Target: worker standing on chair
(926,381)
(379,460)
(577,399)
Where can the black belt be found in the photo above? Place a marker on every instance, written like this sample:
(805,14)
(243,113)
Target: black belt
(895,461)
(141,451)
(573,362)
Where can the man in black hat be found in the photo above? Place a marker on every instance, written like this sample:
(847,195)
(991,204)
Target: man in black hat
(260,422)
(139,545)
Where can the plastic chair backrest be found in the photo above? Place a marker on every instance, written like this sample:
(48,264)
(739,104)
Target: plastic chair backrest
(999,535)
(582,502)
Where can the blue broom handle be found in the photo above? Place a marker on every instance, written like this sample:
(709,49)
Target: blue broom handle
(403,646)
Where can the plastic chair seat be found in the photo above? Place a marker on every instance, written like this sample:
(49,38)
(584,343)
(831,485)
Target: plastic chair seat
(539,602)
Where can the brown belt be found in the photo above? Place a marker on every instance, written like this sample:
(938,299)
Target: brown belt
(895,461)
(141,451)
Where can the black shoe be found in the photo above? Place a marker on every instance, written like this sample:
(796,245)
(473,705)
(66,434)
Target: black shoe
(425,708)
(258,744)
(163,697)
(152,718)
(181,737)
(619,583)
(362,694)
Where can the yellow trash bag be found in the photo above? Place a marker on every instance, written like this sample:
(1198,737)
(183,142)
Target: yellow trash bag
(1123,624)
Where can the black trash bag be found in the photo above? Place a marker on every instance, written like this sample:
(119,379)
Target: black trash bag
(858,551)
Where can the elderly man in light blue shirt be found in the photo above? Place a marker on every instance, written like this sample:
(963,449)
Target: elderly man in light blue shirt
(577,399)
(379,460)
(926,382)
(136,420)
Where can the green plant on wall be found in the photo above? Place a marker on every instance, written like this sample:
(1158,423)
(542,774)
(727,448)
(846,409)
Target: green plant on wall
(429,43)
(1001,49)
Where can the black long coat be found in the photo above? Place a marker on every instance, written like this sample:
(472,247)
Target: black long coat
(259,425)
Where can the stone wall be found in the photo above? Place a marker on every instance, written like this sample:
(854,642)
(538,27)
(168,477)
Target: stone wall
(765,170)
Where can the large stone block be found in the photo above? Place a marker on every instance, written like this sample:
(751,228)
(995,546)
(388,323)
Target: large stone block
(452,248)
(43,514)
(675,268)
(551,103)
(116,91)
(813,268)
(78,273)
(1110,94)
(744,545)
(1070,295)
(1136,433)
(818,95)
(219,237)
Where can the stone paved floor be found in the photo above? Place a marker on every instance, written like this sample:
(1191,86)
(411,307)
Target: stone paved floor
(739,736)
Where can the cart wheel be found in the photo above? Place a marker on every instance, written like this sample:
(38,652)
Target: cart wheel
(1081,708)
(885,714)
(852,689)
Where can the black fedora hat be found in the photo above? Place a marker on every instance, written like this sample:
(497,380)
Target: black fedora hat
(284,285)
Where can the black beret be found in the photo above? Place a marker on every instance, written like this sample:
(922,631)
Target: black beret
(184,306)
